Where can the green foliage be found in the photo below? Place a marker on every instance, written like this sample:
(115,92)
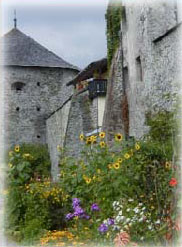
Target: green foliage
(138,171)
(113,20)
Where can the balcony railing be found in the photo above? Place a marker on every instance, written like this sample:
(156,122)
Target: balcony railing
(97,87)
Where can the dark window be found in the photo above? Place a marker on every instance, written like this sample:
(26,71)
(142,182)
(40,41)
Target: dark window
(125,77)
(38,136)
(38,84)
(18,86)
(139,69)
(17,108)
(38,108)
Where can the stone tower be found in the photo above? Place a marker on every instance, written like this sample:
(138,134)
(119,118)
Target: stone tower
(34,81)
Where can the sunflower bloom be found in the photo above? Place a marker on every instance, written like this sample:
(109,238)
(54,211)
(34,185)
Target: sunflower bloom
(81,137)
(93,139)
(127,156)
(88,180)
(17,148)
(118,137)
(120,160)
(168,165)
(137,146)
(110,166)
(88,140)
(102,144)
(116,166)
(102,134)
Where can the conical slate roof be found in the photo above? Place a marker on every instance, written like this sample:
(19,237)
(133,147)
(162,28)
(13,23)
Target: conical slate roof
(21,50)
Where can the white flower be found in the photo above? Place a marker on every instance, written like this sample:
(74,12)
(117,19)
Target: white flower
(120,212)
(128,210)
(118,219)
(130,224)
(158,222)
(149,227)
(122,217)
(114,204)
(128,220)
(141,219)
(105,222)
(118,208)
(136,210)
(140,204)
(143,208)
(130,200)
(141,238)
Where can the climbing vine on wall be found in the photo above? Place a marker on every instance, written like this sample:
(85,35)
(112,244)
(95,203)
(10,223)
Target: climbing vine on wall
(113,20)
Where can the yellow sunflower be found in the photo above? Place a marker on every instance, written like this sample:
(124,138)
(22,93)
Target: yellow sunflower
(88,180)
(120,160)
(10,153)
(88,140)
(127,156)
(81,137)
(168,165)
(116,165)
(110,166)
(102,134)
(118,137)
(137,146)
(17,148)
(102,144)
(93,139)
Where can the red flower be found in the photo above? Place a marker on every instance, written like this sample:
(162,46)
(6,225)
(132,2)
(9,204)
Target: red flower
(173,182)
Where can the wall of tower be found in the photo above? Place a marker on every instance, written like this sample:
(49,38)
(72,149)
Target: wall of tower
(149,64)
(26,110)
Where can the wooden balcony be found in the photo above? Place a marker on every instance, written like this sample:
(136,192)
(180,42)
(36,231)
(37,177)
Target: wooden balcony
(97,87)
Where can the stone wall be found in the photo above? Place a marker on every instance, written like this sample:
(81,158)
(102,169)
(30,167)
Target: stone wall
(150,36)
(78,115)
(26,111)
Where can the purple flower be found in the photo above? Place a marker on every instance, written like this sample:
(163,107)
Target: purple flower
(85,216)
(103,228)
(69,216)
(95,207)
(110,222)
(76,202)
(78,211)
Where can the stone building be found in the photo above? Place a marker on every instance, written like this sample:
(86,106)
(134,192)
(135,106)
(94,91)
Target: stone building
(81,113)
(34,81)
(145,72)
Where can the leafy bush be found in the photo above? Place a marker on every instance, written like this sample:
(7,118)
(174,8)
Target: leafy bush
(140,176)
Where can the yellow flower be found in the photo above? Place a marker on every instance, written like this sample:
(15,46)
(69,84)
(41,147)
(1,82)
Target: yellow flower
(110,166)
(88,180)
(93,139)
(98,171)
(152,207)
(26,155)
(88,140)
(81,137)
(10,153)
(10,165)
(102,144)
(118,137)
(116,166)
(127,156)
(168,165)
(17,148)
(94,177)
(120,160)
(137,146)
(102,134)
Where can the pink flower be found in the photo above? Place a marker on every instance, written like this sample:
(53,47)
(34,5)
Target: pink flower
(122,239)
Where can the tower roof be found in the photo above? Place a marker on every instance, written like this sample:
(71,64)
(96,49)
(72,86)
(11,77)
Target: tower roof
(21,50)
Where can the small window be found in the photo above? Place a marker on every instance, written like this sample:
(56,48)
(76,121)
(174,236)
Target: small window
(139,72)
(38,108)
(18,86)
(17,108)
(38,136)
(38,84)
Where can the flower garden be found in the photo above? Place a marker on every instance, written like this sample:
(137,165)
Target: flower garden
(122,194)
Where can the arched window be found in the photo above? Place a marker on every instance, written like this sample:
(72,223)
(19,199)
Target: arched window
(18,86)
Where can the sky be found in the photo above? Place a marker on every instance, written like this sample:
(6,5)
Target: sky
(73,29)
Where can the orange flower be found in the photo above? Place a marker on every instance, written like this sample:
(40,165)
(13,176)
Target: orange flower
(173,182)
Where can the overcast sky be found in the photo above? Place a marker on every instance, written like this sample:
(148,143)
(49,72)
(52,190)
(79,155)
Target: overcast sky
(73,29)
